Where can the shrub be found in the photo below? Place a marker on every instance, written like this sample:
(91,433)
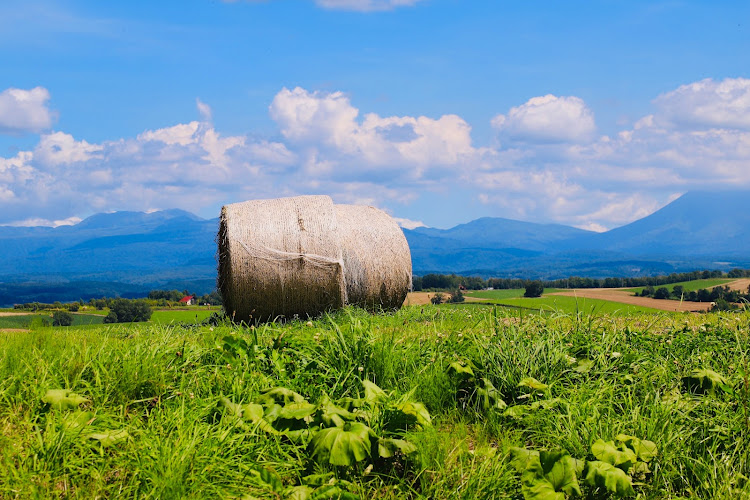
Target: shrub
(534,289)
(62,318)
(661,293)
(437,298)
(126,311)
(456,296)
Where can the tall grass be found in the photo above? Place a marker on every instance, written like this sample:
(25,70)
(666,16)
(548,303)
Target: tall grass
(605,375)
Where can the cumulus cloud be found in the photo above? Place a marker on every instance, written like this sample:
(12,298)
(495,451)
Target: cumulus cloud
(23,111)
(551,168)
(408,223)
(708,104)
(60,148)
(327,127)
(548,119)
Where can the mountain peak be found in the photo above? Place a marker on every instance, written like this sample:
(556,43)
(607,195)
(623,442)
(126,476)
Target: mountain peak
(127,219)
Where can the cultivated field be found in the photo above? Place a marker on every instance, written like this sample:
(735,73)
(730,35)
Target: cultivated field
(429,402)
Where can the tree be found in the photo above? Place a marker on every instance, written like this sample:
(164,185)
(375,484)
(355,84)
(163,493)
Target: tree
(456,296)
(661,293)
(126,311)
(534,289)
(62,318)
(678,291)
(437,298)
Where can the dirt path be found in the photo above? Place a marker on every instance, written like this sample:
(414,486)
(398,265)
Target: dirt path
(626,297)
(739,285)
(6,313)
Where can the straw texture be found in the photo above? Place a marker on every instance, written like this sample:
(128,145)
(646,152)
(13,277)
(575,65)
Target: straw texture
(305,255)
(377,261)
(280,258)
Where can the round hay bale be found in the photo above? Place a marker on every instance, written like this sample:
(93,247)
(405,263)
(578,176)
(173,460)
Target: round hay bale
(305,255)
(280,257)
(377,261)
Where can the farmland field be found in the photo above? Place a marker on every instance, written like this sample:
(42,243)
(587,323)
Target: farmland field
(690,286)
(557,303)
(429,402)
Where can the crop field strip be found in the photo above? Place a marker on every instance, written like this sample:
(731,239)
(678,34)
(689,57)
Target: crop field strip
(432,402)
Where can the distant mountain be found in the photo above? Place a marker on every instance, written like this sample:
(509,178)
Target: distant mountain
(698,224)
(130,253)
(489,232)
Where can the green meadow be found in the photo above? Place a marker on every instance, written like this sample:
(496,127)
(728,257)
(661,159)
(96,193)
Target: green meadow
(428,402)
(558,303)
(690,286)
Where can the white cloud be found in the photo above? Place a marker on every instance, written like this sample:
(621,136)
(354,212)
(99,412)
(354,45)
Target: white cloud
(325,126)
(408,223)
(326,145)
(60,148)
(548,119)
(365,5)
(204,110)
(35,222)
(24,111)
(708,104)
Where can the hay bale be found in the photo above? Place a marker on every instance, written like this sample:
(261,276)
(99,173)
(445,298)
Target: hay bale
(305,255)
(280,258)
(377,261)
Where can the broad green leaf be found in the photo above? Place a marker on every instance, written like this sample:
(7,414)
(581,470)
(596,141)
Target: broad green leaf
(546,404)
(490,397)
(704,381)
(298,493)
(406,415)
(609,477)
(63,399)
(583,365)
(388,447)
(520,457)
(110,438)
(268,478)
(342,445)
(551,475)
(645,450)
(332,415)
(331,492)
(606,451)
(252,412)
(298,411)
(76,421)
(461,370)
(533,384)
(280,396)
(516,411)
(373,393)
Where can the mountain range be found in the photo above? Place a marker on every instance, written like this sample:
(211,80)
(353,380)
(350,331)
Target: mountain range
(130,253)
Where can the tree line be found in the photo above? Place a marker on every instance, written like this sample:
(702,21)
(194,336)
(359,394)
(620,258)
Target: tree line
(433,282)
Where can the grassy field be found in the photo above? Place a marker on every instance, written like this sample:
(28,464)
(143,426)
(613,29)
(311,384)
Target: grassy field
(26,320)
(182,316)
(496,295)
(469,402)
(558,303)
(690,286)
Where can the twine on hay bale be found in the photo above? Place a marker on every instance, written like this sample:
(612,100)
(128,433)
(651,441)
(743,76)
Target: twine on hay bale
(305,255)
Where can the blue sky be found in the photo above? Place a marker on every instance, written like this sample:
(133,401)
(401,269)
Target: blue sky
(439,111)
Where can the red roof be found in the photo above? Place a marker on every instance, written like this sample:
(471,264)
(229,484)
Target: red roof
(187,298)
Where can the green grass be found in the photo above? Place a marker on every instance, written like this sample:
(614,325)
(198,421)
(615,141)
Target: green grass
(503,294)
(162,383)
(558,303)
(181,316)
(26,320)
(690,286)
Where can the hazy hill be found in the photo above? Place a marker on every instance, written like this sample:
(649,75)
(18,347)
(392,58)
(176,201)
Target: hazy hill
(132,252)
